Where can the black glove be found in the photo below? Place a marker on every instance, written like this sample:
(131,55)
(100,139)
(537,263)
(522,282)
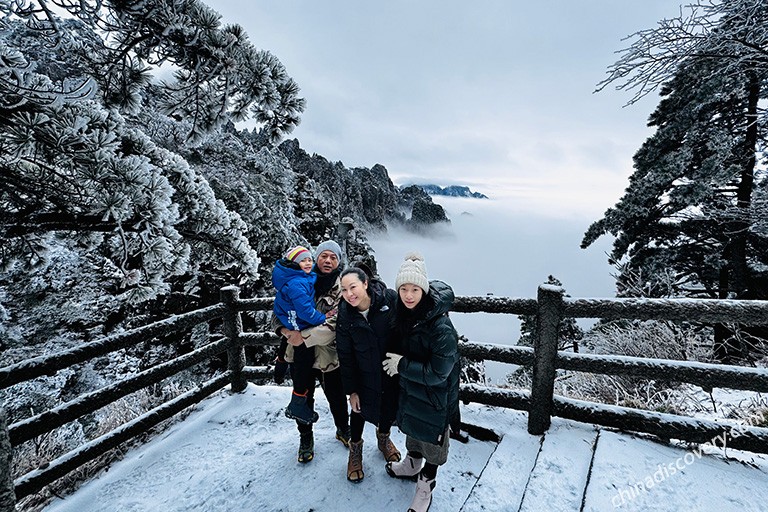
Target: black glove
(280,371)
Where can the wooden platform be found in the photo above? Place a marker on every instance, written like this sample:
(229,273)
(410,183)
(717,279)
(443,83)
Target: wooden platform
(237,453)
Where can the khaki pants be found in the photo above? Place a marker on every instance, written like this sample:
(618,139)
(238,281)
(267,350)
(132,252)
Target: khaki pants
(323,338)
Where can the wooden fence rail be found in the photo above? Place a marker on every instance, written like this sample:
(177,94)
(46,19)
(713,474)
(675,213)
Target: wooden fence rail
(50,364)
(84,404)
(550,307)
(35,480)
(704,375)
(745,312)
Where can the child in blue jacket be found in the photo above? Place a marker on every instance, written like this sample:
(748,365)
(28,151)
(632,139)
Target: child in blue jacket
(294,306)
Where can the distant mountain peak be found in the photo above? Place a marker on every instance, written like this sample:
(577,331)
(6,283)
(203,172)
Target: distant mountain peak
(451,190)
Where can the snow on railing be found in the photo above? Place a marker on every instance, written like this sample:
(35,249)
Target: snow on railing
(550,307)
(541,403)
(52,363)
(228,310)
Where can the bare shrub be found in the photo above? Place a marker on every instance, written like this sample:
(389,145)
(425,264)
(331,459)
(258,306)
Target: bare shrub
(752,411)
(655,339)
(646,339)
(521,378)
(630,392)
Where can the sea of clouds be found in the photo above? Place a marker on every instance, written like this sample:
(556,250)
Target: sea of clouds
(489,248)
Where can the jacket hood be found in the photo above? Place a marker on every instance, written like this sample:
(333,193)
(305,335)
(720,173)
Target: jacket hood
(377,291)
(282,274)
(375,286)
(443,296)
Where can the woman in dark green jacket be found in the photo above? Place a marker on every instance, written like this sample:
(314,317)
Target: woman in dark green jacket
(426,359)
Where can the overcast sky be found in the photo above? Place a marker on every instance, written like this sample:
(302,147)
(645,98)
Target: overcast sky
(495,94)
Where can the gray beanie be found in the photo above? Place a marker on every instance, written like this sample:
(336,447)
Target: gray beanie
(328,245)
(413,271)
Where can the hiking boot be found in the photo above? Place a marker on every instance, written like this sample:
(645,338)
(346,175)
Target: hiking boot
(355,464)
(387,447)
(343,435)
(299,410)
(306,447)
(406,469)
(423,497)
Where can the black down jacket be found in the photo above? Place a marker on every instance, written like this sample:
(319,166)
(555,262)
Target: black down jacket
(362,345)
(429,371)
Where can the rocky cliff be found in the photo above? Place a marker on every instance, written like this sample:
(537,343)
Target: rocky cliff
(368,196)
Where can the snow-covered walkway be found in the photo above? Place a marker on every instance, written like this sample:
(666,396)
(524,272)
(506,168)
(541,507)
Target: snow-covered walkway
(238,453)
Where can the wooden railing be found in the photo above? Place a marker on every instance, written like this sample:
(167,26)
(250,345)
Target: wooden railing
(541,403)
(550,307)
(236,376)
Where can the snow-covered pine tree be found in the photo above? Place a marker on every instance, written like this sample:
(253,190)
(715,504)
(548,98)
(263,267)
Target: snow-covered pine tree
(256,183)
(681,209)
(76,164)
(688,207)
(99,208)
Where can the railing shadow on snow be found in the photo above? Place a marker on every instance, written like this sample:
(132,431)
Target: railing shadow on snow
(550,307)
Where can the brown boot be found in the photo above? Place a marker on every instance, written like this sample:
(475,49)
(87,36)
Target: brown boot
(387,447)
(355,464)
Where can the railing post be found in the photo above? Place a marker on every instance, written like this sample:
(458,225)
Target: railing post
(7,494)
(345,226)
(550,313)
(233,326)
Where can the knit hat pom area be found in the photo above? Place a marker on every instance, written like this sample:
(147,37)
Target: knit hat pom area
(414,256)
(413,271)
(298,254)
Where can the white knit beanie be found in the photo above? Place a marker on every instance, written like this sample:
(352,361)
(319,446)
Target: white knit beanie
(413,271)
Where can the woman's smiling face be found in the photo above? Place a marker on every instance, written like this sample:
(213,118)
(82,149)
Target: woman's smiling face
(354,291)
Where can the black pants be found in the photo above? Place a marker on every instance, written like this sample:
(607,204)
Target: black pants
(302,372)
(387,413)
(357,424)
(334,393)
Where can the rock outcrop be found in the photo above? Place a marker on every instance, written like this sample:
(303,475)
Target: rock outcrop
(366,195)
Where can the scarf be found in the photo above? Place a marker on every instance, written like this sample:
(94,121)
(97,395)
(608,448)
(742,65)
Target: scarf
(406,319)
(325,282)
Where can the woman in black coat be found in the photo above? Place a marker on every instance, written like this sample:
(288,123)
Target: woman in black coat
(362,333)
(426,359)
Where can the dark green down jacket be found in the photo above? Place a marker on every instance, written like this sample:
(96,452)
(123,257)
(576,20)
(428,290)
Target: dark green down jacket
(429,371)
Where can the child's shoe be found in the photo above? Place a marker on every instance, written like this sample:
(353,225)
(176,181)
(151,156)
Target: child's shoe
(299,410)
(306,447)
